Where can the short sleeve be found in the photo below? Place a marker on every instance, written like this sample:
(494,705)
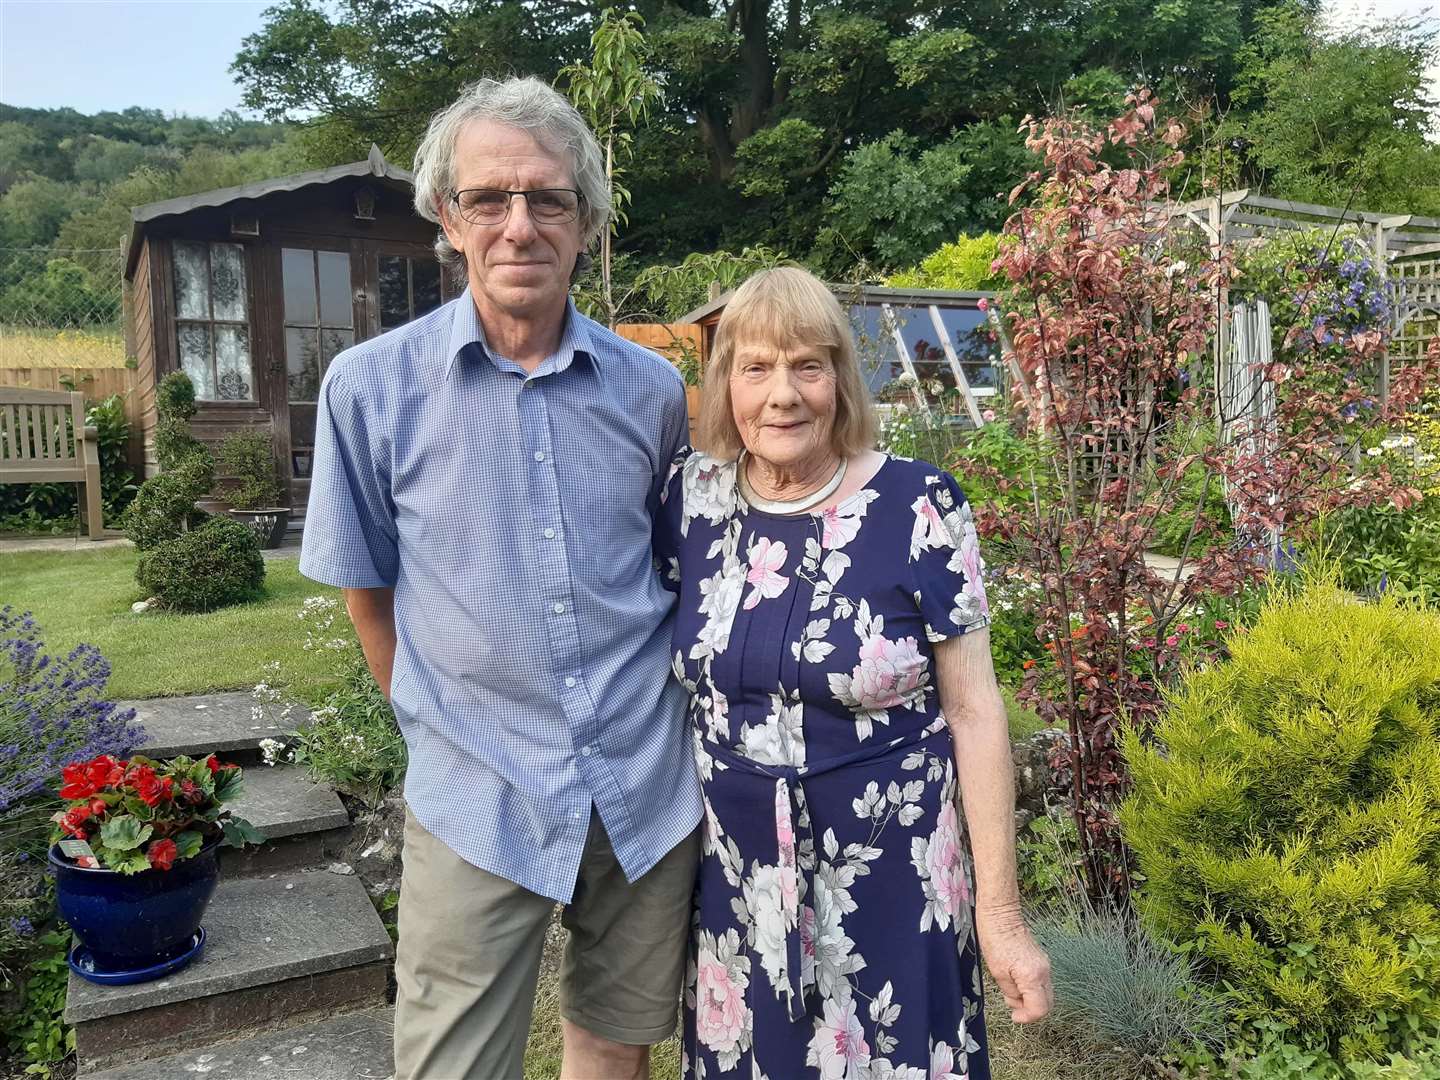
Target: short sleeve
(946,571)
(350,538)
(668,523)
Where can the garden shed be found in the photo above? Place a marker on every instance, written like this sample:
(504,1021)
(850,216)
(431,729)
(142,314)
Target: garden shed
(944,340)
(252,290)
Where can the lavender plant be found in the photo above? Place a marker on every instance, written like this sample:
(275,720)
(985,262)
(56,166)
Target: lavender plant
(52,711)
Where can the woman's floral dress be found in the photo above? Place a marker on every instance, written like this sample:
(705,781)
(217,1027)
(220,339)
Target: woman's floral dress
(834,928)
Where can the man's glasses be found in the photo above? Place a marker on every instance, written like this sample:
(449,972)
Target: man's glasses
(490,206)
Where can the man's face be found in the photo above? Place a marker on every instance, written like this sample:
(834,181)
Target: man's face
(517,267)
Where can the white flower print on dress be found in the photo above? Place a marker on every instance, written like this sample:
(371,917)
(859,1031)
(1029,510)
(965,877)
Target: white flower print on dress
(929,532)
(840,524)
(953,1062)
(939,859)
(722,1019)
(770,920)
(833,959)
(708,489)
(780,740)
(720,597)
(970,603)
(766,559)
(838,1048)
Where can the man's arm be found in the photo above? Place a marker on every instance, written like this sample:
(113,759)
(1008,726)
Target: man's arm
(373,613)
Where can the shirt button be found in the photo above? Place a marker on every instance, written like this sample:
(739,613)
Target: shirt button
(539,455)
(569,680)
(549,534)
(559,609)
(587,750)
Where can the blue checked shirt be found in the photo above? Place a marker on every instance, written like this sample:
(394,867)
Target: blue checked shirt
(512,515)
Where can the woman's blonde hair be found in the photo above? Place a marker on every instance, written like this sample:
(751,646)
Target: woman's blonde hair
(786,307)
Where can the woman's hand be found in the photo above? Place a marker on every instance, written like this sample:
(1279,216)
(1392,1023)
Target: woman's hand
(1018,965)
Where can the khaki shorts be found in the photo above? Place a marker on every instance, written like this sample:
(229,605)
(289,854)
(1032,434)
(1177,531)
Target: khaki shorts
(468,959)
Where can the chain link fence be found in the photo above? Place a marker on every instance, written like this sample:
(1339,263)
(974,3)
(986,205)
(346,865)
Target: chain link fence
(61,308)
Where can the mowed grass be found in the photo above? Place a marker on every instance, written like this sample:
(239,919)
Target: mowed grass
(85,597)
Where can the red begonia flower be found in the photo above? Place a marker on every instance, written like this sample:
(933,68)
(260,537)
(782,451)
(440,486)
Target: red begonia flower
(162,854)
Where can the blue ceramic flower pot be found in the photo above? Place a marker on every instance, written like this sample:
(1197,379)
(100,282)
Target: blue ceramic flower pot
(137,920)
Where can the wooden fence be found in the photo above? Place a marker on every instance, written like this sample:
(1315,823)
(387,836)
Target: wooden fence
(683,344)
(94,383)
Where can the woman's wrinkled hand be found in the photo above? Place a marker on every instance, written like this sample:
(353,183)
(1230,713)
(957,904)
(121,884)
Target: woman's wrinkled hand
(1018,965)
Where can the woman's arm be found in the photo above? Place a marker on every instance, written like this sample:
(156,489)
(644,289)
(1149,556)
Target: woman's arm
(971,699)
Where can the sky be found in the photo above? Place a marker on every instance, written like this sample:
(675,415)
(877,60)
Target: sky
(173,55)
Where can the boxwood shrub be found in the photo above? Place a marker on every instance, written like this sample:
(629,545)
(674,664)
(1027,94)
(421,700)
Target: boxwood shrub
(216,565)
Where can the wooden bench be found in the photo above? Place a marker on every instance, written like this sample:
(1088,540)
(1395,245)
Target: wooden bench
(44,440)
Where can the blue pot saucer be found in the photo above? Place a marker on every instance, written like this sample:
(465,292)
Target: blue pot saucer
(83,964)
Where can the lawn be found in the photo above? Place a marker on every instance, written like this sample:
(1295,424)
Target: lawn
(85,597)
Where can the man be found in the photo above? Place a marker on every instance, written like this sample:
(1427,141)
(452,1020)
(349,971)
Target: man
(483,489)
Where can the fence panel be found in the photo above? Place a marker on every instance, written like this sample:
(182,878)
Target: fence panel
(94,383)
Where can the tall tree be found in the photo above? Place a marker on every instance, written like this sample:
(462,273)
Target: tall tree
(614,94)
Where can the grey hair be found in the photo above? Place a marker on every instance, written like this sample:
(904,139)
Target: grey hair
(532,106)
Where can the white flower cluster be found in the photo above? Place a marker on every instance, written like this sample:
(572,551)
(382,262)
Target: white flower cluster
(319,613)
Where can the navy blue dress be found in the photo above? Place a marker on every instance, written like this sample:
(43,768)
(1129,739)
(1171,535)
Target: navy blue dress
(834,931)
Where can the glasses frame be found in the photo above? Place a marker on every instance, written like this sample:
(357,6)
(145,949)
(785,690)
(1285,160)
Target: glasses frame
(510,201)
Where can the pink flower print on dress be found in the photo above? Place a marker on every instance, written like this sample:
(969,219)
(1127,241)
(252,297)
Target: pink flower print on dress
(766,559)
(838,529)
(888,674)
(838,1047)
(719,1005)
(945,861)
(942,1064)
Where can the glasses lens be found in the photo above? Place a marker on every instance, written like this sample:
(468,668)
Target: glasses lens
(483,204)
(552,204)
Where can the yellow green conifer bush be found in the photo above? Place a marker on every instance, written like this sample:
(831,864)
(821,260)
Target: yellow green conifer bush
(1286,819)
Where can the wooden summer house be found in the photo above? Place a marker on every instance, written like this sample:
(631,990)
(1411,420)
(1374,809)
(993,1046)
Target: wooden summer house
(252,290)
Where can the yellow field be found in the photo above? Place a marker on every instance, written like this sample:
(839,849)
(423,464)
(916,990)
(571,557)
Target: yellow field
(26,347)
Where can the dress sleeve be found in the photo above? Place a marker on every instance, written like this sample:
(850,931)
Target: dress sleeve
(946,571)
(666,543)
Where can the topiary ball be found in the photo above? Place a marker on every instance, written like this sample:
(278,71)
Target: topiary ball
(216,565)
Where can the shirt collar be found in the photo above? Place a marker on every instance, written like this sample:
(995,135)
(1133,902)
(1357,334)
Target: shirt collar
(466,329)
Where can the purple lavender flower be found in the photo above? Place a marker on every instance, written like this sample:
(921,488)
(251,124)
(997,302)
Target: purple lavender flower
(22,927)
(52,711)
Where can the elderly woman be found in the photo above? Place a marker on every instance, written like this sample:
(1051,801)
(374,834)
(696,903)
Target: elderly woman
(832,634)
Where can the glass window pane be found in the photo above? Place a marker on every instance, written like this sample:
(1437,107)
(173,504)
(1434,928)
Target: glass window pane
(875,348)
(331,342)
(298,273)
(192,287)
(227,281)
(426,277)
(302,363)
(232,363)
(336,306)
(194,341)
(394,292)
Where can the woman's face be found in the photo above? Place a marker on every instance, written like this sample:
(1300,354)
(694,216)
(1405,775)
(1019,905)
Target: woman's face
(784,403)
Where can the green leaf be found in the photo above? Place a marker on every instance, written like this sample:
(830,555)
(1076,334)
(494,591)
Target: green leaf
(188,844)
(124,833)
(229,784)
(126,862)
(239,832)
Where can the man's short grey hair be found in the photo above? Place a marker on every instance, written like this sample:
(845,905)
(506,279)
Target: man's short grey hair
(532,106)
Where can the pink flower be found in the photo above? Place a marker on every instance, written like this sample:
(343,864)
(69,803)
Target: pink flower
(838,1045)
(1220,624)
(1172,641)
(1183,628)
(839,529)
(766,559)
(720,1011)
(984,304)
(942,1062)
(888,672)
(988,415)
(943,861)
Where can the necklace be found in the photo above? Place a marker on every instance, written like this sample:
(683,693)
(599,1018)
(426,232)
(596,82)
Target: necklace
(794,506)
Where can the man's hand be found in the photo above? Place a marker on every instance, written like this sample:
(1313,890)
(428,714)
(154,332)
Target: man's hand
(1019,966)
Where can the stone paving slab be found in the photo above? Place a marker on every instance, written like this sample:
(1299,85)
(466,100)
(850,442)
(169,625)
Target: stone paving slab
(352,1046)
(281,801)
(260,931)
(203,723)
(9,545)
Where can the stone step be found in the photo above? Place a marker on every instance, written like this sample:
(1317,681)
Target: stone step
(207,723)
(305,824)
(281,950)
(351,1046)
